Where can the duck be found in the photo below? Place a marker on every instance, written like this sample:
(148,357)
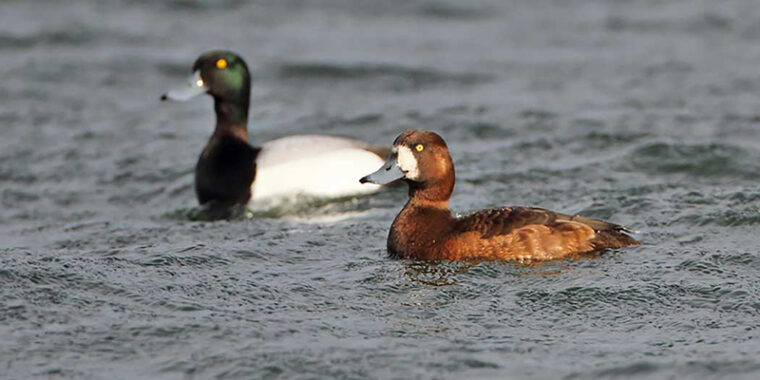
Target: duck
(425,229)
(232,172)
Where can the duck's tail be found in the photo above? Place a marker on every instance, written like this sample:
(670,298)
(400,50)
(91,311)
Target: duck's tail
(613,239)
(608,235)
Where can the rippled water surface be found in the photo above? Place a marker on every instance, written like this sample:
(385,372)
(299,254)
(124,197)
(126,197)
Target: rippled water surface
(643,112)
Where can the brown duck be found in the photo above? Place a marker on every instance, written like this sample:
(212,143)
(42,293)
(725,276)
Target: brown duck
(426,229)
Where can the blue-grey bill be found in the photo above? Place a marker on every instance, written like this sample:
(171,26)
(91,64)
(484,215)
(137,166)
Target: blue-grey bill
(193,87)
(388,173)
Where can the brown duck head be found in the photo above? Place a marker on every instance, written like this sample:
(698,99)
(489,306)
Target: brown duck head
(421,158)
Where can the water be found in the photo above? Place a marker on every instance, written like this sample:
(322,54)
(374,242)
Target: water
(641,112)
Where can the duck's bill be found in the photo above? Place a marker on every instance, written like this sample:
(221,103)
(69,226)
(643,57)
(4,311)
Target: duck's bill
(388,173)
(194,86)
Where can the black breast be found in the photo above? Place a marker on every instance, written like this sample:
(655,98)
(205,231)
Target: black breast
(225,171)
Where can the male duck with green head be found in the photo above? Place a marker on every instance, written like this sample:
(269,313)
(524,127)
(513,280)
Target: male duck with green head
(232,172)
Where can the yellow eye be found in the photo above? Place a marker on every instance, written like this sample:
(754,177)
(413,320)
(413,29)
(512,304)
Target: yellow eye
(419,147)
(221,63)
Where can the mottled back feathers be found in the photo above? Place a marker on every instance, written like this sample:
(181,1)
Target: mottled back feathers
(527,233)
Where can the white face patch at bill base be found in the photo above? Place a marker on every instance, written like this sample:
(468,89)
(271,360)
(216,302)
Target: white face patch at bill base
(407,162)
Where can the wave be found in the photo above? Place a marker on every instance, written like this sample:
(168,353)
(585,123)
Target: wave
(696,159)
(394,77)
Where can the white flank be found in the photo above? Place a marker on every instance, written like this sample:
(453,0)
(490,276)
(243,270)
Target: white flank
(407,163)
(316,166)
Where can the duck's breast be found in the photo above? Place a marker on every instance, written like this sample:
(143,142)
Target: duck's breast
(318,166)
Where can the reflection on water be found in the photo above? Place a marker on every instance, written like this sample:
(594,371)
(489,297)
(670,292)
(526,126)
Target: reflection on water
(433,273)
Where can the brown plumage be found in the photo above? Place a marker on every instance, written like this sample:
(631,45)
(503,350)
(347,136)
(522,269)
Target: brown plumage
(425,228)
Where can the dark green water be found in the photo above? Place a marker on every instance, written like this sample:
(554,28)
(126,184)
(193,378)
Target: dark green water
(646,113)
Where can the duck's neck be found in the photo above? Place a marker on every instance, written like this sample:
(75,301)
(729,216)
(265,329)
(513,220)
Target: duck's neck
(231,118)
(425,203)
(436,193)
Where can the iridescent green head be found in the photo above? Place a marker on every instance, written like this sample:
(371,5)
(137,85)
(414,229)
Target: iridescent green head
(221,74)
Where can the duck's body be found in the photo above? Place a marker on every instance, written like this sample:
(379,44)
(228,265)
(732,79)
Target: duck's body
(426,229)
(313,165)
(231,172)
(506,233)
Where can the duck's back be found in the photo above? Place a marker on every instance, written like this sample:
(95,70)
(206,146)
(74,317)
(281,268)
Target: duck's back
(313,165)
(525,233)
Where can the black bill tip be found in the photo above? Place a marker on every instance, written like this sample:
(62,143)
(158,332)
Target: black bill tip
(164,98)
(365,179)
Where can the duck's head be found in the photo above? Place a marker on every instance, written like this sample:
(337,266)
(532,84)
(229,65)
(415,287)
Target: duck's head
(221,74)
(421,158)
